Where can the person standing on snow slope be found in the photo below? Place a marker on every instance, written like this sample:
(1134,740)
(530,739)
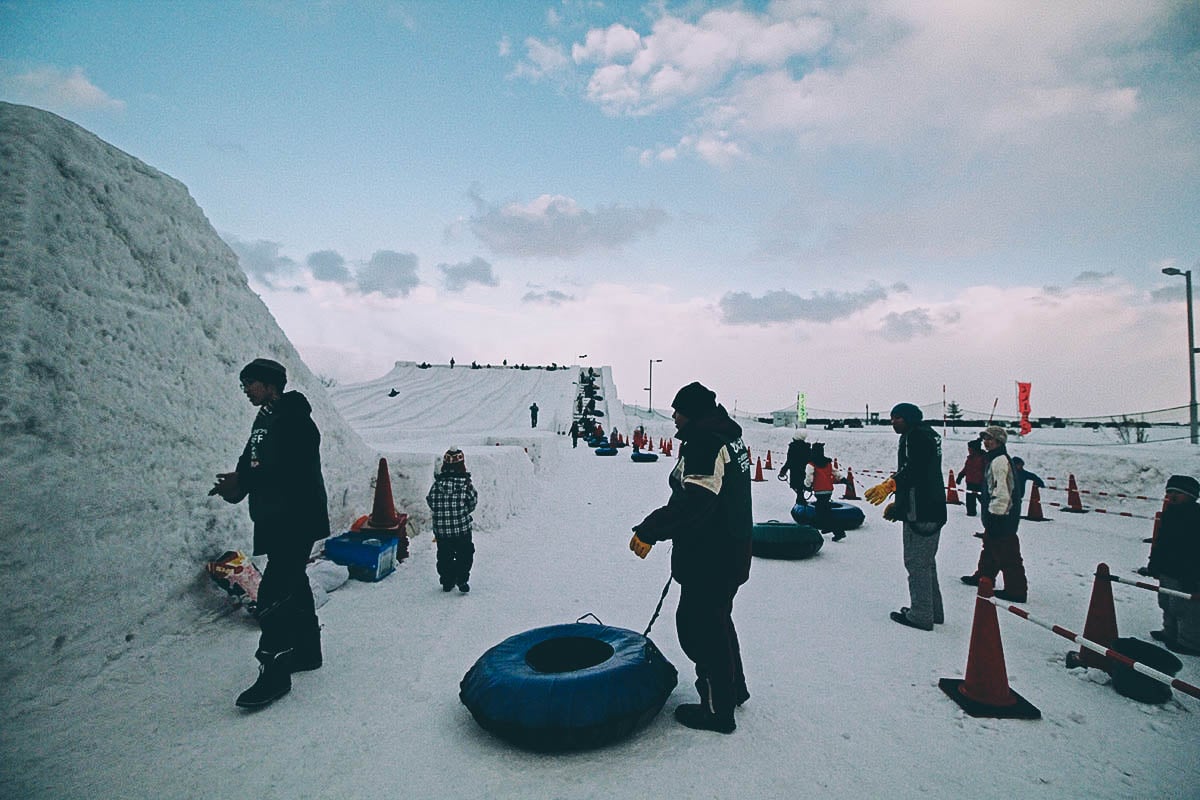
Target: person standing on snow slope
(280,470)
(709,518)
(797,460)
(920,505)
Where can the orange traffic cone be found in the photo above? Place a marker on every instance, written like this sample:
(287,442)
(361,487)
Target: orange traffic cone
(1074,504)
(850,493)
(1035,506)
(758,471)
(1101,623)
(985,692)
(952,491)
(768,464)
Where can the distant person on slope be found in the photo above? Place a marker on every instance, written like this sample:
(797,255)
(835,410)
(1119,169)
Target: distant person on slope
(794,465)
(920,505)
(280,470)
(709,517)
(452,498)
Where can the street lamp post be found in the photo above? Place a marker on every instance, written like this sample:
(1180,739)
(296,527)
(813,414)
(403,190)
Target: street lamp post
(650,388)
(1187,276)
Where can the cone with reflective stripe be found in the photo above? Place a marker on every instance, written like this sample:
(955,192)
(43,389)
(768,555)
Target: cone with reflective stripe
(985,692)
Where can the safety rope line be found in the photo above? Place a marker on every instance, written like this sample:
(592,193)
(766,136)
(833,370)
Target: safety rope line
(1136,666)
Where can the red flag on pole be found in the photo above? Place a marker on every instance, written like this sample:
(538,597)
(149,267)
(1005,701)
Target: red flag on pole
(1023,406)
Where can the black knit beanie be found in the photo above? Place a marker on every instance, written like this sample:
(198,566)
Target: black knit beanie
(695,400)
(265,370)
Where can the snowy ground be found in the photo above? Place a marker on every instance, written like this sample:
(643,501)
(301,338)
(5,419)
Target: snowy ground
(845,703)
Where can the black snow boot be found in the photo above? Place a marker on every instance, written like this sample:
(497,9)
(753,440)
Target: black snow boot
(274,681)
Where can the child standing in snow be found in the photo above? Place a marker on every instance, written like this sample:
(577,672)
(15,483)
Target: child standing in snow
(1175,561)
(452,498)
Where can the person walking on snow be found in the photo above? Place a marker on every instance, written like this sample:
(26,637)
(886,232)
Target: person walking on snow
(280,471)
(972,473)
(709,518)
(452,498)
(795,464)
(1175,561)
(920,505)
(1001,546)
(820,476)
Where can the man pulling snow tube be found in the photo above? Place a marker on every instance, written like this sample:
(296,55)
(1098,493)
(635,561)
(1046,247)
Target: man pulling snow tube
(842,516)
(641,456)
(776,539)
(568,687)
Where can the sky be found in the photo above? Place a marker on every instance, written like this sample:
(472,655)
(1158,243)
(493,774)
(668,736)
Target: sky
(890,198)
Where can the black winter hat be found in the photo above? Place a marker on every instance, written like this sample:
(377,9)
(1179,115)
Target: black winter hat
(695,400)
(1185,484)
(265,370)
(907,412)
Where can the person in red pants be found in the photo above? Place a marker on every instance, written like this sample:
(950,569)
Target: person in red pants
(1001,514)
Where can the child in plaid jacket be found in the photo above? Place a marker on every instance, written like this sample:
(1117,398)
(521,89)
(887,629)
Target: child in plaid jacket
(452,498)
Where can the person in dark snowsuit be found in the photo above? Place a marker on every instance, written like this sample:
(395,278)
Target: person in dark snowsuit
(820,476)
(709,518)
(920,505)
(1175,561)
(1001,545)
(280,471)
(452,498)
(972,473)
(792,471)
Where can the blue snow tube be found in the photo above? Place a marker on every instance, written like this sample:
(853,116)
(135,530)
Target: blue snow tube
(605,451)
(841,515)
(792,540)
(643,457)
(568,687)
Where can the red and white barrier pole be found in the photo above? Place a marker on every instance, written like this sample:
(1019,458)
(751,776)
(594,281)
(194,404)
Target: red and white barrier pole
(1136,666)
(1155,588)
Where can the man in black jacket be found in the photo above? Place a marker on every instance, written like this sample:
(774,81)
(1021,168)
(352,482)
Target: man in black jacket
(921,505)
(280,470)
(709,518)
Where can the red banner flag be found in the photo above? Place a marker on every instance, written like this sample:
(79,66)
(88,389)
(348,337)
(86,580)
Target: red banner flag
(1023,406)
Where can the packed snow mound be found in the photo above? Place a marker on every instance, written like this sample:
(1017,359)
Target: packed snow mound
(124,320)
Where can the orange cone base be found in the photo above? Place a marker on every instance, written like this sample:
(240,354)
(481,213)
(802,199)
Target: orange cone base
(1020,708)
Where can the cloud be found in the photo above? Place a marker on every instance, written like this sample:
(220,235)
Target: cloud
(328,265)
(903,326)
(260,259)
(551,297)
(740,308)
(456,277)
(553,225)
(50,87)
(390,273)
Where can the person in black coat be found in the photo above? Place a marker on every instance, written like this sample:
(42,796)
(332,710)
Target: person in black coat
(280,471)
(920,505)
(709,518)
(1175,561)
(792,471)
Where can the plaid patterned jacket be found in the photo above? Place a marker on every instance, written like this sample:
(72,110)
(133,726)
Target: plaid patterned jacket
(452,498)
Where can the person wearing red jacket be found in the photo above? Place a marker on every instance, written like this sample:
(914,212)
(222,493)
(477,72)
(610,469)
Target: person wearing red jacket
(972,473)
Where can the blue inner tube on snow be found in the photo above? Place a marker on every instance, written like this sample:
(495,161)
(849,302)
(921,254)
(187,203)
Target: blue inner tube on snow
(568,687)
(605,451)
(841,515)
(641,456)
(776,539)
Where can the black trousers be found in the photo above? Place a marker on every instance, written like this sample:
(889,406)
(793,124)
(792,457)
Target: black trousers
(704,624)
(455,557)
(286,615)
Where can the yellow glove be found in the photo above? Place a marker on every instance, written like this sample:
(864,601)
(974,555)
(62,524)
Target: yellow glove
(889,512)
(640,548)
(877,494)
